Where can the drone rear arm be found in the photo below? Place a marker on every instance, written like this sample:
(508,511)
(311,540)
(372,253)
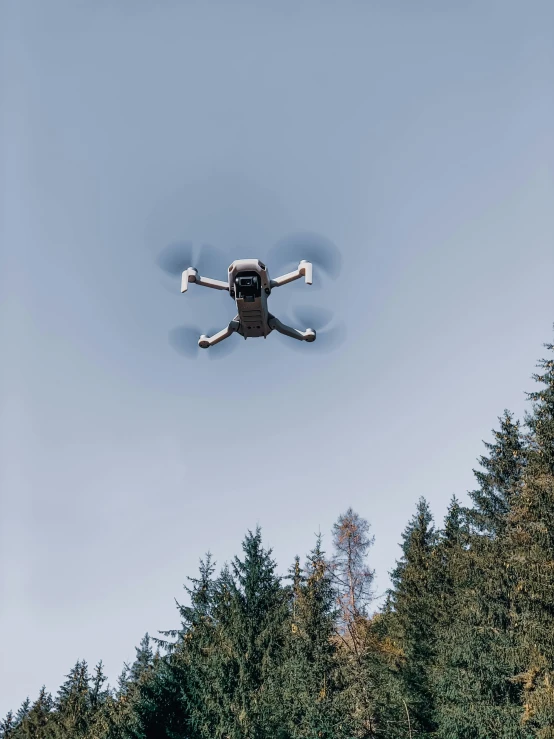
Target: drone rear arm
(304,270)
(191,275)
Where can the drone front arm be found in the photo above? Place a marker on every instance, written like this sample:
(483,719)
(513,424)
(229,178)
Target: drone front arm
(304,270)
(191,275)
(204,342)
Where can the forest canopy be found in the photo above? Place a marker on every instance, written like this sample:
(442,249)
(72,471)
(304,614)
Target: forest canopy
(463,646)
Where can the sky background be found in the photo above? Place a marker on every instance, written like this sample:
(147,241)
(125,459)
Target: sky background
(416,136)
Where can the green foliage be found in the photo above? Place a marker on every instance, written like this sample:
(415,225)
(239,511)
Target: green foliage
(309,675)
(413,599)
(531,539)
(463,647)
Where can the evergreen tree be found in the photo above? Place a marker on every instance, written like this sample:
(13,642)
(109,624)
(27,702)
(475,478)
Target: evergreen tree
(414,605)
(143,660)
(540,421)
(310,677)
(22,712)
(531,539)
(98,693)
(195,664)
(7,726)
(499,479)
(475,664)
(381,666)
(39,720)
(250,610)
(161,708)
(72,704)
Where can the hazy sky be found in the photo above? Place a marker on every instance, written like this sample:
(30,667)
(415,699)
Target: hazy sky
(417,136)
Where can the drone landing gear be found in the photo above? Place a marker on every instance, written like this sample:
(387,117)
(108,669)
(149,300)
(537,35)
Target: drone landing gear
(204,342)
(307,335)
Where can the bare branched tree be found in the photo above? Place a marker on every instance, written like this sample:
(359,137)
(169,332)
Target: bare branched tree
(352,577)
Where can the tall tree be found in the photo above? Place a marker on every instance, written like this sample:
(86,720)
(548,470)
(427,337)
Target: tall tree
(414,605)
(40,718)
(23,711)
(194,664)
(353,579)
(310,671)
(160,707)
(353,583)
(531,538)
(474,664)
(72,704)
(499,478)
(7,726)
(143,660)
(250,609)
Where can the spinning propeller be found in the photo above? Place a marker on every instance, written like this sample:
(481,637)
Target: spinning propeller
(327,337)
(321,252)
(178,256)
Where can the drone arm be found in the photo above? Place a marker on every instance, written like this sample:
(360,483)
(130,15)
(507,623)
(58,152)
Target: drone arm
(206,341)
(191,275)
(304,270)
(275,323)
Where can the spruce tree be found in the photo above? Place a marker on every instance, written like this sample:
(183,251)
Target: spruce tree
(476,665)
(194,665)
(7,726)
(143,659)
(414,605)
(531,539)
(250,610)
(160,708)
(98,693)
(40,718)
(310,677)
(72,704)
(23,712)
(499,478)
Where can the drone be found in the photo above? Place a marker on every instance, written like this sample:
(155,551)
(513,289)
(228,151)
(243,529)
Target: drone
(249,285)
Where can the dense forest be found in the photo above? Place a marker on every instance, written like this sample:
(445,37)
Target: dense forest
(463,647)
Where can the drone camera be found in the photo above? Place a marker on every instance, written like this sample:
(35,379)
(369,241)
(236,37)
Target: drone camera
(248,287)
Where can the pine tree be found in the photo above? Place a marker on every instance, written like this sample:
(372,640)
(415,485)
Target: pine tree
(23,712)
(531,538)
(143,660)
(194,663)
(72,704)
(475,664)
(413,601)
(98,693)
(161,708)
(250,610)
(499,479)
(7,726)
(40,718)
(99,705)
(310,678)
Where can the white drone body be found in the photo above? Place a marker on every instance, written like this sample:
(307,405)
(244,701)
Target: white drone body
(249,285)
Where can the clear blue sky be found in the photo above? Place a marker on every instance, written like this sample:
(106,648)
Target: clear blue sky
(416,136)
